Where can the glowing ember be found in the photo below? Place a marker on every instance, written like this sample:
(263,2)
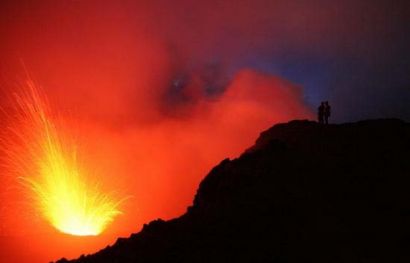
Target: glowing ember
(45,159)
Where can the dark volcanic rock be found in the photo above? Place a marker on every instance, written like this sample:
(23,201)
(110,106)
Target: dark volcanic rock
(303,193)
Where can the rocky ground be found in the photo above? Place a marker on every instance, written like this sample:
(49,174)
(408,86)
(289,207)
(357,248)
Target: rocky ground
(303,193)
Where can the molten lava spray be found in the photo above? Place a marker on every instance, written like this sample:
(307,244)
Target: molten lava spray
(44,158)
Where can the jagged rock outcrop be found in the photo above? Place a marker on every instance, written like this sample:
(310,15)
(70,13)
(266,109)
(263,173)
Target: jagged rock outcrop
(303,193)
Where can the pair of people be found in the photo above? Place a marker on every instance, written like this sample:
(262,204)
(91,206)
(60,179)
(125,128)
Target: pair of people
(324,112)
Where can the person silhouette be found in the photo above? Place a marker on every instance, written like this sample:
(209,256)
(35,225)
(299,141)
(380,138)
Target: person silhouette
(320,112)
(326,112)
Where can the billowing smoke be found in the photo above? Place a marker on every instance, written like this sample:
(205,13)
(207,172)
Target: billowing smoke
(153,90)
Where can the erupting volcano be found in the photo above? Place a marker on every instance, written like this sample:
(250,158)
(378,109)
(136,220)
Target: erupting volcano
(44,157)
(142,98)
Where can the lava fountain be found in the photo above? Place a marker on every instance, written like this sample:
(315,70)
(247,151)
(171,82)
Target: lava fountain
(44,158)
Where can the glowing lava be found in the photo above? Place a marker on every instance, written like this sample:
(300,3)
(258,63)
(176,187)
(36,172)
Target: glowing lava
(44,157)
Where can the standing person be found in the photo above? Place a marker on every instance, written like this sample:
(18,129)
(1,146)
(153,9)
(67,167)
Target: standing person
(327,111)
(320,112)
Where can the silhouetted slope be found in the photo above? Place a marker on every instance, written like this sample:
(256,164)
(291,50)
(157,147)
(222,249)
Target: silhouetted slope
(303,193)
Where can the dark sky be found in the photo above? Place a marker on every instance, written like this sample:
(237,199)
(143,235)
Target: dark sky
(352,53)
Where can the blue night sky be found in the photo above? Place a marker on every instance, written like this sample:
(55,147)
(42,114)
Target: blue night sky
(352,53)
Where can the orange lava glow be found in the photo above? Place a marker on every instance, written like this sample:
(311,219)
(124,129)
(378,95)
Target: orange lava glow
(45,160)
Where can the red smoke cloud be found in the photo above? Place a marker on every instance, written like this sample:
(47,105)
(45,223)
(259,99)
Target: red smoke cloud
(161,163)
(152,121)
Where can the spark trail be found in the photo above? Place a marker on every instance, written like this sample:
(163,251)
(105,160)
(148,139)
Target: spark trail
(44,157)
